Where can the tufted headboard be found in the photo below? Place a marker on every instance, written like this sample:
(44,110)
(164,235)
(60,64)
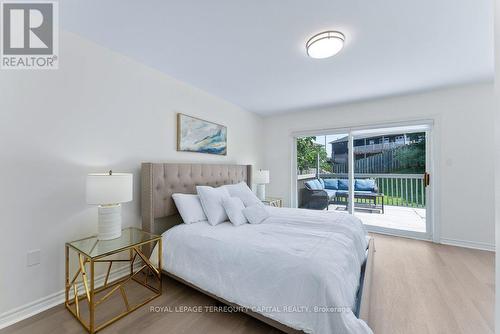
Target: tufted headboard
(159,181)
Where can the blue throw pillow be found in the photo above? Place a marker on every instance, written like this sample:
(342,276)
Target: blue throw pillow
(343,184)
(332,184)
(314,185)
(364,185)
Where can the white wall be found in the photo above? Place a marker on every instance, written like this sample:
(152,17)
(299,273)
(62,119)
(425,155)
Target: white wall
(99,111)
(497,162)
(463,138)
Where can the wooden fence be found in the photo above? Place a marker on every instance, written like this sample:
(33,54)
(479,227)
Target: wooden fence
(384,162)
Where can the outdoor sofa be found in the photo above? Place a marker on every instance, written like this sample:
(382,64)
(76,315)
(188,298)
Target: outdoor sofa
(319,193)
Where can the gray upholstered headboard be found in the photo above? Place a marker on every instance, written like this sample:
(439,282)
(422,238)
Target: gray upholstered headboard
(160,180)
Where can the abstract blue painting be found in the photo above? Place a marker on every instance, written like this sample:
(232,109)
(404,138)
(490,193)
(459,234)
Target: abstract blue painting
(197,135)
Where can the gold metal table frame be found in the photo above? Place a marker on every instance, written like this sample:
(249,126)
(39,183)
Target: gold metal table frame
(85,278)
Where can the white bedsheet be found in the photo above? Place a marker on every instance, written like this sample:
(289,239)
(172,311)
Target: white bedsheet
(284,268)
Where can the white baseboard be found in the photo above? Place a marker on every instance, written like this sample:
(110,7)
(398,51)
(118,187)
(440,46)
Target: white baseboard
(30,309)
(468,244)
(445,241)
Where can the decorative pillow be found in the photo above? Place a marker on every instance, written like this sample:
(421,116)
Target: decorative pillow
(343,184)
(211,201)
(364,185)
(189,207)
(256,214)
(314,185)
(243,192)
(234,207)
(332,184)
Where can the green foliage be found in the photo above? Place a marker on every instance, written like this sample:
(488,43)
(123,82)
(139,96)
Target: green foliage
(307,151)
(412,156)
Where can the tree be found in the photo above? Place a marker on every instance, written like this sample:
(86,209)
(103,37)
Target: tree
(411,157)
(307,152)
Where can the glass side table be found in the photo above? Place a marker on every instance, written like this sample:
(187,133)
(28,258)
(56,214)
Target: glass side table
(88,253)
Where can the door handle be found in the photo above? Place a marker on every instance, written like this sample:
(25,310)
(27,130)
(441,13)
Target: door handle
(427,179)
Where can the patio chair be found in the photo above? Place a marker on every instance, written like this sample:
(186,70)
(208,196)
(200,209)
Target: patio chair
(315,196)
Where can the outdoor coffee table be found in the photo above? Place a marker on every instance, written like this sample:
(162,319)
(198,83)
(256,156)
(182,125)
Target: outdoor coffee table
(368,201)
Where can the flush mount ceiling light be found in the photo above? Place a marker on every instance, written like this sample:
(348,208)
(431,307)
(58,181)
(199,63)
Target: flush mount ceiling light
(325,44)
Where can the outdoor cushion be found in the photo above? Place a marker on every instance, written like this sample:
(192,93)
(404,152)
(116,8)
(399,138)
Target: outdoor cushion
(346,192)
(343,184)
(358,192)
(331,184)
(331,193)
(364,185)
(314,185)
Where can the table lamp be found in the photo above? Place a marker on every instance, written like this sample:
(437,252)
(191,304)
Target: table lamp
(261,178)
(109,190)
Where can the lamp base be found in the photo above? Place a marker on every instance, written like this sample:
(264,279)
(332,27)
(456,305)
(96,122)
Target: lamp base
(261,191)
(110,222)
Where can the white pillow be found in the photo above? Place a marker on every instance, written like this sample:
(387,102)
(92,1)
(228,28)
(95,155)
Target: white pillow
(211,201)
(234,207)
(189,207)
(243,192)
(256,214)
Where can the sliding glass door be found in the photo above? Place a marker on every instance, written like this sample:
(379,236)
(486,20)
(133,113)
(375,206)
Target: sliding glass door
(316,163)
(381,175)
(390,180)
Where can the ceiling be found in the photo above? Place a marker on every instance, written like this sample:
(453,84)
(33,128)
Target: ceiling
(252,53)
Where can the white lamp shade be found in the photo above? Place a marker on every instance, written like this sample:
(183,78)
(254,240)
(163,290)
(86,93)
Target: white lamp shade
(109,189)
(261,177)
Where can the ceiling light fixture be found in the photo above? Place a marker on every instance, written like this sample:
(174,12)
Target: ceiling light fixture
(325,44)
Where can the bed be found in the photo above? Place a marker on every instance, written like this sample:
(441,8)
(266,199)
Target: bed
(300,271)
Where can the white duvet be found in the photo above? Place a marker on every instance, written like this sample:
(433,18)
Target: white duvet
(299,267)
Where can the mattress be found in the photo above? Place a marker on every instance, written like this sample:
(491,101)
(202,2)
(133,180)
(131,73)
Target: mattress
(299,267)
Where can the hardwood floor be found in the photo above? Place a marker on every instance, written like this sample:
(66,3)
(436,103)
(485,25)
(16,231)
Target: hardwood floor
(419,287)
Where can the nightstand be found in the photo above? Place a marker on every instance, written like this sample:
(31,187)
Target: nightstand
(138,274)
(273,201)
